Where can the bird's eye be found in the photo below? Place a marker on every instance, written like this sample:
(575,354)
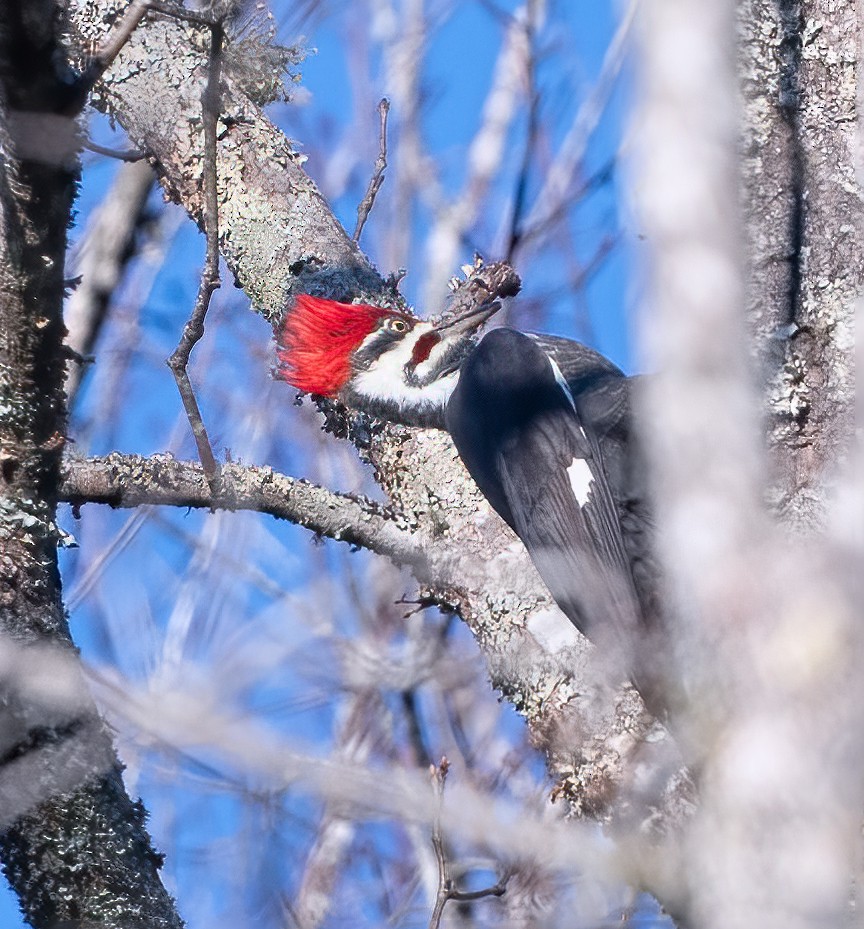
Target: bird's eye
(394,324)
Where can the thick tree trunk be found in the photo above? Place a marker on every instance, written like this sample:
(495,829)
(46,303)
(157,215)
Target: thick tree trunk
(73,844)
(801,148)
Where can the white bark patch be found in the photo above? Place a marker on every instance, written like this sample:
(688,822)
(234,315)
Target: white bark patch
(552,630)
(581,480)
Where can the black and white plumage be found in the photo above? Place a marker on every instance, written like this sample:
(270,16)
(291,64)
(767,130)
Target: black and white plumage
(543,425)
(538,460)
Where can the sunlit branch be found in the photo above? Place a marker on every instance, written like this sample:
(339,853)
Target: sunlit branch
(108,51)
(132,480)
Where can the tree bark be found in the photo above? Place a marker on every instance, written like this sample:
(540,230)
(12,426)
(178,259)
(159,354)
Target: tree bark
(800,65)
(73,845)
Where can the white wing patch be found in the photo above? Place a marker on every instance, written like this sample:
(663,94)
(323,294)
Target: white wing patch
(565,387)
(562,383)
(581,480)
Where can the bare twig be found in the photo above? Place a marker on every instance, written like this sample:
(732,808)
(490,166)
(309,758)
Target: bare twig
(97,567)
(564,169)
(132,154)
(211,107)
(496,890)
(557,212)
(446,890)
(194,328)
(445,883)
(487,151)
(365,206)
(528,154)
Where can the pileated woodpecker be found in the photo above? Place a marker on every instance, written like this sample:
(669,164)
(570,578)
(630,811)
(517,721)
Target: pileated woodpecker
(543,426)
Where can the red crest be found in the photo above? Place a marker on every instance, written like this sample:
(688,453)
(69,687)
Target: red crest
(316,339)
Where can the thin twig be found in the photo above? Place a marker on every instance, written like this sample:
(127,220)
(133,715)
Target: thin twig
(377,179)
(587,187)
(497,890)
(559,176)
(211,107)
(532,131)
(446,890)
(445,883)
(194,328)
(132,154)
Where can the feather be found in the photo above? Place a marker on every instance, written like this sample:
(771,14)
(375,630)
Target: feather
(538,462)
(316,339)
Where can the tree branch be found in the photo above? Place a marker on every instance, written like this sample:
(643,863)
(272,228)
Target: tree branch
(377,179)
(132,480)
(105,252)
(193,331)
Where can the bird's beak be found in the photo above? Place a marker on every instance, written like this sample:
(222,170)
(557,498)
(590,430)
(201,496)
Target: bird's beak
(466,323)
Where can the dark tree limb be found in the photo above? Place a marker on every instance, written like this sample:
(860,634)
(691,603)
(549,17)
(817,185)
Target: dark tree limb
(73,845)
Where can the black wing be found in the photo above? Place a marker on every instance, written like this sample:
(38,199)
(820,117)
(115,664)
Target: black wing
(539,464)
(604,399)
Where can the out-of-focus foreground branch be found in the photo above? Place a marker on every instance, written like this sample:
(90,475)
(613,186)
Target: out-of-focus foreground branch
(766,623)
